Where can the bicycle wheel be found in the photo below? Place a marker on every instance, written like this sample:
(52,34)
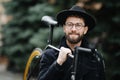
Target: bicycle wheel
(32,64)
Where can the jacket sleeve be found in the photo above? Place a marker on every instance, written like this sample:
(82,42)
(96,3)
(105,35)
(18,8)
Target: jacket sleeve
(101,65)
(48,66)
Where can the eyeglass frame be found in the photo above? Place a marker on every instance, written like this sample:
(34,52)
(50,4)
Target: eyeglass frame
(70,25)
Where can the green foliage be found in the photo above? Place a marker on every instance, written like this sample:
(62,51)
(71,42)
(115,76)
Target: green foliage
(108,19)
(22,31)
(26,32)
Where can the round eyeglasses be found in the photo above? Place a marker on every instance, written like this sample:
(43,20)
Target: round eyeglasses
(70,25)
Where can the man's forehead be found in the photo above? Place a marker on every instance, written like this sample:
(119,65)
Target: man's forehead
(72,18)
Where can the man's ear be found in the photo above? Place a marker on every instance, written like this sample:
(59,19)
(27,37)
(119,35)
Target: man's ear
(85,29)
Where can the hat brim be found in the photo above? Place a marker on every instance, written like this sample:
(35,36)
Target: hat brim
(89,20)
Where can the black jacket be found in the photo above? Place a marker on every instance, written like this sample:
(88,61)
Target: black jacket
(90,67)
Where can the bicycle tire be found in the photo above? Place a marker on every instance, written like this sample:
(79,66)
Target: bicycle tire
(36,52)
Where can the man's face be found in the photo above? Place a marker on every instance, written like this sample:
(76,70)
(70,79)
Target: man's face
(74,29)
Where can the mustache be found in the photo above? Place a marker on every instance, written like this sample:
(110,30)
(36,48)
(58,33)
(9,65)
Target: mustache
(73,33)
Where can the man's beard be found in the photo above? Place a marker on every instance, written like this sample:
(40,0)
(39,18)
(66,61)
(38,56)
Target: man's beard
(74,41)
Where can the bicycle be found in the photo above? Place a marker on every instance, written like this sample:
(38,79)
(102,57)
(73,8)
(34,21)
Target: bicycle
(31,72)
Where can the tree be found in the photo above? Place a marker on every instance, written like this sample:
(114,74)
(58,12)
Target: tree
(106,34)
(20,31)
(25,32)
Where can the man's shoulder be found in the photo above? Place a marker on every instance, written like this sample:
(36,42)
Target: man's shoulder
(50,52)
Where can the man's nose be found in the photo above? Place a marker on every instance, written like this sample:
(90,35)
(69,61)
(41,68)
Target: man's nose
(73,27)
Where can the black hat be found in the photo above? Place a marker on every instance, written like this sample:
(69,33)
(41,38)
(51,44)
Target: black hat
(77,10)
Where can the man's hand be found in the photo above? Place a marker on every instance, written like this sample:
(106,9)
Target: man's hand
(62,57)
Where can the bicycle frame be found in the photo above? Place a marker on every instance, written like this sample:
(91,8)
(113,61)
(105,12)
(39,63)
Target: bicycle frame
(37,52)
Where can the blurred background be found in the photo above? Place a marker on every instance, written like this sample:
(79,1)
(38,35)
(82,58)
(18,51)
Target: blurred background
(21,31)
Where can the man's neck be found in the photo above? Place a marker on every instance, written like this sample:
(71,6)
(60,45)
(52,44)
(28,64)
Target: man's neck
(72,46)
